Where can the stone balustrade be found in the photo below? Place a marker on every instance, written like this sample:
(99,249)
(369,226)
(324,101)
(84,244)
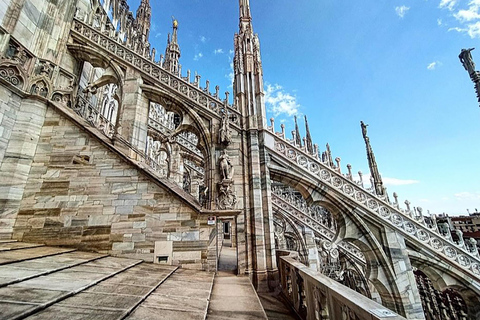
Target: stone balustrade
(91,113)
(315,296)
(321,230)
(412,227)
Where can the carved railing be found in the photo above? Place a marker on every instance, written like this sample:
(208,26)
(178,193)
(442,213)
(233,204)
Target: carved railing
(315,296)
(183,140)
(320,214)
(202,98)
(91,113)
(317,227)
(414,228)
(193,166)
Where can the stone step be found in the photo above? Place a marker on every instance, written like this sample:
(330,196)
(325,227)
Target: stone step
(184,295)
(7,240)
(9,246)
(113,298)
(24,270)
(13,256)
(53,283)
(30,297)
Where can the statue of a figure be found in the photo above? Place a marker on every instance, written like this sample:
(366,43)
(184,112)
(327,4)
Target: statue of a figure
(364,129)
(226,167)
(466,59)
(224,131)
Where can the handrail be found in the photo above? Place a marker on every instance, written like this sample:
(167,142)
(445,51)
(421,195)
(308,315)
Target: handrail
(315,296)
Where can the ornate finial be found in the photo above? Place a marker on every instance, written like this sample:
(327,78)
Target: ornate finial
(466,59)
(298,138)
(174,22)
(308,143)
(364,129)
(377,183)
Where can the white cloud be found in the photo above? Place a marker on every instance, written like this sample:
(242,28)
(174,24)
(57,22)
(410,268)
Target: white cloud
(401,11)
(203,39)
(474,30)
(158,35)
(434,65)
(218,51)
(468,17)
(388,182)
(398,182)
(231,74)
(448,4)
(439,22)
(280,102)
(457,29)
(467,196)
(198,56)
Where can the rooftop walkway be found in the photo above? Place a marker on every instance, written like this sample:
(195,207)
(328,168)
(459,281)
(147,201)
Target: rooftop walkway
(40,282)
(45,283)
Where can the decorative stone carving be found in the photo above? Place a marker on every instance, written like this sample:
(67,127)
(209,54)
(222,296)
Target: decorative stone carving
(12,76)
(226,197)
(40,88)
(224,133)
(64,99)
(466,59)
(226,167)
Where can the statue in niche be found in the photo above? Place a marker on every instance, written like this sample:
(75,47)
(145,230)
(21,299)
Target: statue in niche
(466,59)
(226,198)
(225,132)
(226,167)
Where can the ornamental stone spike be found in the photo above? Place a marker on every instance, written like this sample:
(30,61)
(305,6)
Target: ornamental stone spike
(407,203)
(298,138)
(308,142)
(360,175)
(395,196)
(372,163)
(337,160)
(466,60)
(349,168)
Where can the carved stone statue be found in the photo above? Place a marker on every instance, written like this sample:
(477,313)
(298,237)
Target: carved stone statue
(364,129)
(224,132)
(466,59)
(226,167)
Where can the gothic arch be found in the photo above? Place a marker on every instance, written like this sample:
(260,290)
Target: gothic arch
(302,250)
(99,60)
(442,278)
(345,214)
(197,125)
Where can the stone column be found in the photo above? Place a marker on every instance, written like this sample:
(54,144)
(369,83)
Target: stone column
(21,122)
(132,116)
(404,277)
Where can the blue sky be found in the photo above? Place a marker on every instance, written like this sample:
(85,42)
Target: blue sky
(392,64)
